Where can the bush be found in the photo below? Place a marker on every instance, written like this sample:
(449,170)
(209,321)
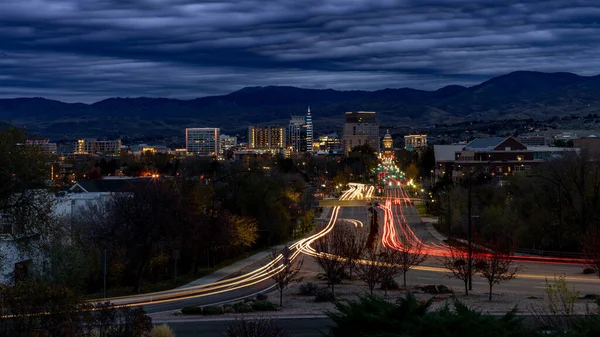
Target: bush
(323,277)
(242,307)
(374,316)
(308,289)
(263,306)
(263,328)
(390,284)
(212,310)
(436,289)
(162,330)
(262,297)
(589,271)
(229,310)
(324,295)
(191,310)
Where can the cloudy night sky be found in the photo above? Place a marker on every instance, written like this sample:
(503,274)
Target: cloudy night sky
(87,50)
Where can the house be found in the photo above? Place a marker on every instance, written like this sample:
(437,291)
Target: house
(20,254)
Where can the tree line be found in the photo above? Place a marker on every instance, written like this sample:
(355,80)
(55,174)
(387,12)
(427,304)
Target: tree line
(552,207)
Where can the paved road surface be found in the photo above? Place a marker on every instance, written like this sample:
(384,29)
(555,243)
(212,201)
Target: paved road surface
(531,281)
(298,327)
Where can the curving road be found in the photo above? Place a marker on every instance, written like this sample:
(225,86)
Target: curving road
(401,224)
(243,286)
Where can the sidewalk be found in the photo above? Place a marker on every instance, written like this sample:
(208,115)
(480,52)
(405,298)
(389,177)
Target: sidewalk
(232,268)
(434,232)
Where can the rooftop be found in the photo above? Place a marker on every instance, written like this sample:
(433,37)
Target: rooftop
(485,143)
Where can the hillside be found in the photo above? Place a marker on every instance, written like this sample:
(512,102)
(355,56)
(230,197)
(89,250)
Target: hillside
(518,94)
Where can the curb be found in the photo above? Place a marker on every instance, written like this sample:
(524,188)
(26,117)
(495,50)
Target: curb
(229,319)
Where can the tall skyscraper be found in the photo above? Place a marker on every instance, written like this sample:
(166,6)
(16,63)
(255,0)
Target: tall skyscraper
(202,141)
(266,137)
(360,128)
(309,132)
(300,133)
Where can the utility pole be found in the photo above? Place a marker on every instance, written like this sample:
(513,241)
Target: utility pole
(470,235)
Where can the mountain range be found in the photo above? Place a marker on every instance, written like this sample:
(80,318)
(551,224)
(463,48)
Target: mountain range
(521,94)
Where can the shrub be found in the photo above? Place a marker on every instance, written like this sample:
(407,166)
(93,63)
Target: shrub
(212,310)
(308,289)
(162,330)
(262,328)
(390,284)
(589,271)
(191,310)
(262,297)
(374,316)
(263,306)
(324,295)
(242,307)
(229,310)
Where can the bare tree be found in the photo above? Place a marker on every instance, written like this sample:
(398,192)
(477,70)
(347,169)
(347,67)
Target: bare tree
(591,249)
(354,245)
(410,257)
(371,269)
(392,260)
(285,272)
(456,263)
(330,249)
(495,265)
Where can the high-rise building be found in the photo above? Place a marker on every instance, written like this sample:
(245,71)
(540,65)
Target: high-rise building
(297,134)
(309,131)
(227,143)
(300,133)
(266,137)
(360,128)
(94,146)
(202,141)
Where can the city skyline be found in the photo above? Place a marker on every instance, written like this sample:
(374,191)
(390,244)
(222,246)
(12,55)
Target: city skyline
(87,51)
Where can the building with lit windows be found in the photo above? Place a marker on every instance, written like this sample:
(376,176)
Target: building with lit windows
(328,143)
(415,142)
(300,134)
(496,156)
(227,143)
(45,145)
(94,146)
(266,137)
(309,132)
(202,141)
(360,128)
(387,153)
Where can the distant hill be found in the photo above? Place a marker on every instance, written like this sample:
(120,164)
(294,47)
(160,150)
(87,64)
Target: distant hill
(521,94)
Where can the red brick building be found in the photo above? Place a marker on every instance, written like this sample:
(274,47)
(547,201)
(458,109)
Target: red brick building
(498,156)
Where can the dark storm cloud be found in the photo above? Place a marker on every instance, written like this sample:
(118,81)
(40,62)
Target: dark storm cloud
(87,50)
